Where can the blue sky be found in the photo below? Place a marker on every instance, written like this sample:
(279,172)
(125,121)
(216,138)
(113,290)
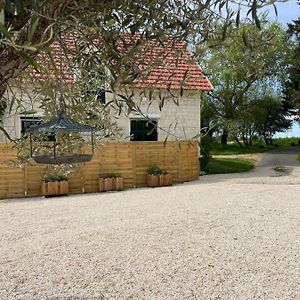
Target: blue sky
(287,12)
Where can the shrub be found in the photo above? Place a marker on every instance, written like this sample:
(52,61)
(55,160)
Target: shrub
(276,145)
(155,170)
(261,146)
(110,175)
(53,177)
(205,148)
(57,173)
(293,144)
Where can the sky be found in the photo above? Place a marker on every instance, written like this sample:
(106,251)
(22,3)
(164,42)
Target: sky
(287,12)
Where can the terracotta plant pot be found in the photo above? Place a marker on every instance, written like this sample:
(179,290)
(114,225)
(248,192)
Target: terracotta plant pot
(159,180)
(168,179)
(153,180)
(55,188)
(111,184)
(119,183)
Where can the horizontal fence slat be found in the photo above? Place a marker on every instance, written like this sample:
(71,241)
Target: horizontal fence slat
(127,159)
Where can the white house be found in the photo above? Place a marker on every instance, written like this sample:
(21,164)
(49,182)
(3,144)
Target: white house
(175,77)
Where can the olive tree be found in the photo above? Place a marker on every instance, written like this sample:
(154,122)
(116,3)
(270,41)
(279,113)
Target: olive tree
(28,28)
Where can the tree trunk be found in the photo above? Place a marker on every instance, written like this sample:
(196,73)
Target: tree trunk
(238,141)
(250,140)
(245,141)
(268,140)
(224,138)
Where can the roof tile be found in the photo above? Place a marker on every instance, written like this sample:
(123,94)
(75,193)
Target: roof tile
(162,65)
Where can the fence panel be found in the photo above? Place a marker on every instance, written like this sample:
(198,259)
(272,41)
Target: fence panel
(127,159)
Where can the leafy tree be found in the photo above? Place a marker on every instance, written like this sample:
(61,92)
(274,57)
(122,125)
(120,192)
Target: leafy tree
(248,56)
(209,121)
(292,85)
(255,118)
(270,117)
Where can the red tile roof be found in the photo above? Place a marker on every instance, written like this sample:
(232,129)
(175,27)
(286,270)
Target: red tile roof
(159,65)
(168,65)
(60,56)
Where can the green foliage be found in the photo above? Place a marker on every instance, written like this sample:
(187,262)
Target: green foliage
(53,178)
(29,27)
(270,117)
(245,71)
(205,149)
(209,118)
(229,165)
(287,141)
(292,85)
(233,148)
(57,173)
(298,157)
(110,175)
(155,170)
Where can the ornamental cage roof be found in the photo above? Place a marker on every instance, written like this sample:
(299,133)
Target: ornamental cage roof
(61,124)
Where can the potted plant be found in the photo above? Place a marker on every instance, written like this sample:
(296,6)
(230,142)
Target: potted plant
(55,182)
(111,182)
(167,179)
(157,177)
(55,185)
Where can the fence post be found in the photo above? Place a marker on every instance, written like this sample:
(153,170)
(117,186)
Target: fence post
(82,177)
(179,159)
(25,180)
(133,162)
(197,153)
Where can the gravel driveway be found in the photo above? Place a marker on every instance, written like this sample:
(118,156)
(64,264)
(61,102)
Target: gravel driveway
(221,237)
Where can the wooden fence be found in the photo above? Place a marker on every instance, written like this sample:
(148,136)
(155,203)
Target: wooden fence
(129,159)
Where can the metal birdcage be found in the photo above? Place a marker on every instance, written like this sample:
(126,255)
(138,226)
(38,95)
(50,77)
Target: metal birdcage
(46,141)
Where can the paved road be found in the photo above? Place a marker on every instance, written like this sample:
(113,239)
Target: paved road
(281,158)
(264,171)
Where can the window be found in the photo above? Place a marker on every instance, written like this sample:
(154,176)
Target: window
(94,85)
(101,96)
(99,79)
(143,130)
(98,94)
(26,122)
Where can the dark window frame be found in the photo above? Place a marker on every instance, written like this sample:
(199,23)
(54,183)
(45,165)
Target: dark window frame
(31,121)
(143,130)
(101,96)
(34,121)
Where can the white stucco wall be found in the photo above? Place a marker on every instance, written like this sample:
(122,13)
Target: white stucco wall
(12,118)
(176,122)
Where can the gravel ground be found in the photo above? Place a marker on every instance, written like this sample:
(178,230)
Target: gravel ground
(221,237)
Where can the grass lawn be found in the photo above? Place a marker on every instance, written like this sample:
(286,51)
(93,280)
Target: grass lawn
(234,148)
(219,149)
(228,165)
